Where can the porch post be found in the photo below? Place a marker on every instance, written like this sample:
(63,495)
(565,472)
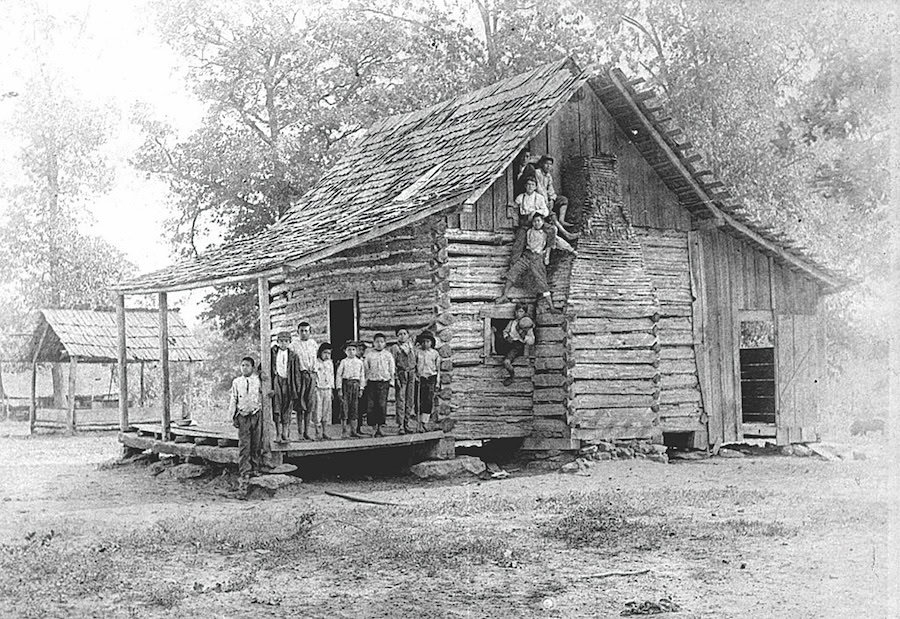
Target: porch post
(123,363)
(32,412)
(73,380)
(164,365)
(265,374)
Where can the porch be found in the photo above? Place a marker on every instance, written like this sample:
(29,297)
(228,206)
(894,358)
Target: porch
(219,442)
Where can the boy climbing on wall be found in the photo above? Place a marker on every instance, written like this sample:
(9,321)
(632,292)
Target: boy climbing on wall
(530,255)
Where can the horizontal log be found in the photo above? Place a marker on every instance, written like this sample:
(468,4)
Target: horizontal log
(612,325)
(549,363)
(479,236)
(678,396)
(613,417)
(675,324)
(691,410)
(551,409)
(549,380)
(493,401)
(615,356)
(615,341)
(676,353)
(548,350)
(552,394)
(591,401)
(677,381)
(613,387)
(551,428)
(676,338)
(548,335)
(469,249)
(484,430)
(587,370)
(616,433)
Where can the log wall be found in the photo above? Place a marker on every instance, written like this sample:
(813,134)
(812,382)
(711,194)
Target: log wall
(482,407)
(666,258)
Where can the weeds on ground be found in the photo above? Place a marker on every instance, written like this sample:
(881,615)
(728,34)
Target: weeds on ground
(597,522)
(264,530)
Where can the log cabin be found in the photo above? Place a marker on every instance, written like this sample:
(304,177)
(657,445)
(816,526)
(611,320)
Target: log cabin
(681,319)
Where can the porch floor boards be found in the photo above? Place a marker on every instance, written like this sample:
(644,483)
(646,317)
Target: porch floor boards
(201,440)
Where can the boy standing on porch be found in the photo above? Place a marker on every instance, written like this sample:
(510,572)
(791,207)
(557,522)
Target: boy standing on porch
(405,388)
(285,376)
(351,379)
(307,350)
(324,387)
(380,373)
(246,403)
(428,368)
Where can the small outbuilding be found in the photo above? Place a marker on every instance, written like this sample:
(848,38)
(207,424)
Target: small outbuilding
(681,318)
(76,337)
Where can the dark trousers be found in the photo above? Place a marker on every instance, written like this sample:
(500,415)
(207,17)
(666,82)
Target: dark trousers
(533,263)
(427,386)
(249,443)
(349,400)
(306,397)
(405,394)
(376,403)
(281,402)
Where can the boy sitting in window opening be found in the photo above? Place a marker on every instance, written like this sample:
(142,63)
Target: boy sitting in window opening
(518,332)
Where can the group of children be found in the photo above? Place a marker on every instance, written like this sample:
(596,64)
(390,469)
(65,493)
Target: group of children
(543,226)
(304,381)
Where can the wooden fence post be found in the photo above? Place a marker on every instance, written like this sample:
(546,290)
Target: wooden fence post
(32,412)
(73,381)
(122,356)
(164,365)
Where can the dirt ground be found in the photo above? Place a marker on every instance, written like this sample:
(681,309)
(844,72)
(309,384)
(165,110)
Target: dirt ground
(751,537)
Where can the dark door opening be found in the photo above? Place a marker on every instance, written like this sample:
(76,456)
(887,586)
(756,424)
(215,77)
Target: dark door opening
(757,356)
(341,329)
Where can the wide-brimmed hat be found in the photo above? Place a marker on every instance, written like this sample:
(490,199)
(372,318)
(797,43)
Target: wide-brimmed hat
(353,343)
(544,159)
(283,336)
(425,335)
(526,323)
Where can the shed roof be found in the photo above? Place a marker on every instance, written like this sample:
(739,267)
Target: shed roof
(407,167)
(92,336)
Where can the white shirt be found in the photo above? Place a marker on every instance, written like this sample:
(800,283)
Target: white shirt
(245,395)
(530,204)
(536,240)
(324,374)
(351,369)
(281,362)
(545,185)
(307,351)
(380,365)
(428,362)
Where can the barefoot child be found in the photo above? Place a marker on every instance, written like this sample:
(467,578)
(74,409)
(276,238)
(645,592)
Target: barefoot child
(306,348)
(405,388)
(428,368)
(351,379)
(518,332)
(380,374)
(246,396)
(285,378)
(324,388)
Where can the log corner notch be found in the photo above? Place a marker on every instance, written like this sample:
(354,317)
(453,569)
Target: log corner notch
(122,358)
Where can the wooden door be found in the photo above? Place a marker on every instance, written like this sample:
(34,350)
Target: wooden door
(797,367)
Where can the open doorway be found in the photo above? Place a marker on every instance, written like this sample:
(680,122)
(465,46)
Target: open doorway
(757,356)
(342,328)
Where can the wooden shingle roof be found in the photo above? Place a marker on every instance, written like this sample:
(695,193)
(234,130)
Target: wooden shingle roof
(92,336)
(407,167)
(400,170)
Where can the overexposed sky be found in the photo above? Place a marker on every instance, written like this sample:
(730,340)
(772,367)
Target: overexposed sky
(111,54)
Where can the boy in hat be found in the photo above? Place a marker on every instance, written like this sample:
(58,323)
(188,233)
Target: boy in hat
(530,255)
(380,373)
(428,369)
(285,379)
(545,180)
(307,350)
(518,332)
(324,388)
(246,403)
(405,387)
(351,379)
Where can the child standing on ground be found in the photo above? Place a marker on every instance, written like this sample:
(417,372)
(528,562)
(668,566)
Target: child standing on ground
(428,368)
(405,388)
(324,387)
(351,379)
(246,403)
(380,373)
